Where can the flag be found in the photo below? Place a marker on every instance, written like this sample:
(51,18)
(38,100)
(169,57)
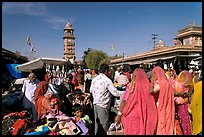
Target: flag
(32,49)
(113,46)
(28,40)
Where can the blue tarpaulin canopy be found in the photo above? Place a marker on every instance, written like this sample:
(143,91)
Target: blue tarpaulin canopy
(14,72)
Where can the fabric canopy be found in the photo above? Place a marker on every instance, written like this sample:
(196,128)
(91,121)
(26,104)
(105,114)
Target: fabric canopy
(39,63)
(14,72)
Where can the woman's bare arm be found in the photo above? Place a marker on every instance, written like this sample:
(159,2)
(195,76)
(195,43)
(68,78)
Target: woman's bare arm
(118,117)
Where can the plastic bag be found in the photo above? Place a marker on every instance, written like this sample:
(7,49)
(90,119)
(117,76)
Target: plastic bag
(115,129)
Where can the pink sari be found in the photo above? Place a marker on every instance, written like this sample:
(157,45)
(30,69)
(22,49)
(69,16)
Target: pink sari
(184,83)
(166,108)
(139,113)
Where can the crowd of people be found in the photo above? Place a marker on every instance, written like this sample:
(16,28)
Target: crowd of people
(157,102)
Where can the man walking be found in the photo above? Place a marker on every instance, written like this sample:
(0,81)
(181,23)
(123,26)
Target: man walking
(101,89)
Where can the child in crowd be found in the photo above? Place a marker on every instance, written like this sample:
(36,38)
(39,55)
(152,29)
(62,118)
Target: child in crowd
(77,111)
(84,99)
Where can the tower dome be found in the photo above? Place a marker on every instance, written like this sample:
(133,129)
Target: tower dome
(69,26)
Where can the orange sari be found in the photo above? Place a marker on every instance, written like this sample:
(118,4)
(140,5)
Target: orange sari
(44,104)
(40,90)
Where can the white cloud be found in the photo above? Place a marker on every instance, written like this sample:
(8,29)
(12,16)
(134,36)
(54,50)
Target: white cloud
(36,9)
(57,22)
(28,8)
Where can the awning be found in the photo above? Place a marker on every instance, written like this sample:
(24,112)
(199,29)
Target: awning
(14,72)
(197,59)
(190,56)
(149,60)
(39,63)
(142,61)
(170,57)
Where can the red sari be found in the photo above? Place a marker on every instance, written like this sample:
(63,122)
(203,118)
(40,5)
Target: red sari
(139,113)
(166,108)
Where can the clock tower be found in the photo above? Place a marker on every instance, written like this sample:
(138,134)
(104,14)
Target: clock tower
(69,50)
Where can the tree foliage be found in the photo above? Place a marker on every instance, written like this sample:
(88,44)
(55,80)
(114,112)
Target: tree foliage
(84,56)
(95,58)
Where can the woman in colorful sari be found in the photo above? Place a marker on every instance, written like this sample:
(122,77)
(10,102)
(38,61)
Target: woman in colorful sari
(44,104)
(163,92)
(183,86)
(137,108)
(41,89)
(196,109)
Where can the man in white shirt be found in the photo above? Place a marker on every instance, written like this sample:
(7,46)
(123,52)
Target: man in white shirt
(117,73)
(28,90)
(87,76)
(122,80)
(101,89)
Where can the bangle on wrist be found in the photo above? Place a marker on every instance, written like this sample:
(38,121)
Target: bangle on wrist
(119,113)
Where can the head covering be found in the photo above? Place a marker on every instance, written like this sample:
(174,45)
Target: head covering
(139,113)
(48,76)
(166,108)
(184,82)
(40,90)
(185,77)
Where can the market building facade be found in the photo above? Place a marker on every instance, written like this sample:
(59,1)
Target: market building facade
(187,47)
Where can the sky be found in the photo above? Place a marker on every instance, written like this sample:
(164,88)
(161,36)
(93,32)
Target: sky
(98,25)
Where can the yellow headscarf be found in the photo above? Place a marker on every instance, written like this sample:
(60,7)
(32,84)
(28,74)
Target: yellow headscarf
(196,108)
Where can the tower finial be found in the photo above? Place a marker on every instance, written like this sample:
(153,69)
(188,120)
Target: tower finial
(69,21)
(190,23)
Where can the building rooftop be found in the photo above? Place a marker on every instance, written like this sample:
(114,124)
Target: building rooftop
(190,29)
